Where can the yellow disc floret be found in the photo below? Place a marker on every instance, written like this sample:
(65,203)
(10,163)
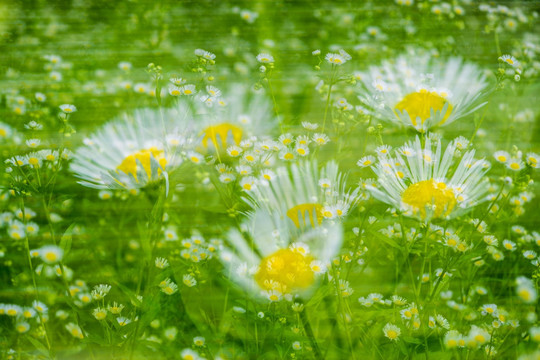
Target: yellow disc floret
(419,105)
(221,131)
(130,163)
(314,212)
(431,194)
(285,271)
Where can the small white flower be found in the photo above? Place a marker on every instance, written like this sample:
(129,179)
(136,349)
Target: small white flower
(265,58)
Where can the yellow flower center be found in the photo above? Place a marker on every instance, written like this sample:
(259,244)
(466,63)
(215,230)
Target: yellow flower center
(429,193)
(286,141)
(130,164)
(51,256)
(288,156)
(3,132)
(168,290)
(33,161)
(525,294)
(392,334)
(480,338)
(313,211)
(21,328)
(221,131)
(452,343)
(419,105)
(100,315)
(285,271)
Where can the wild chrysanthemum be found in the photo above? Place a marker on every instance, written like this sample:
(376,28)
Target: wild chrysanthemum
(75,330)
(304,194)
(265,58)
(279,264)
(51,254)
(227,121)
(130,152)
(526,290)
(392,331)
(423,93)
(7,133)
(422,181)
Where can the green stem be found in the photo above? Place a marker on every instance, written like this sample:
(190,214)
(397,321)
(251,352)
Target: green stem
(328,98)
(34,282)
(310,335)
(274,101)
(497,45)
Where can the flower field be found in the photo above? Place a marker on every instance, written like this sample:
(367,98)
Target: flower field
(269,179)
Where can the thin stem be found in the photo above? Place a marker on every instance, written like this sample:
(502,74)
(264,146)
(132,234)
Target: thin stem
(310,335)
(328,97)
(274,101)
(497,45)
(34,282)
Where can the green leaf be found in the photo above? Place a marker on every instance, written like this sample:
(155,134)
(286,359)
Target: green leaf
(385,239)
(412,340)
(131,294)
(39,346)
(66,240)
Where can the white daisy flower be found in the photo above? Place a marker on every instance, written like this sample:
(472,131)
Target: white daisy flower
(335,59)
(265,58)
(205,54)
(401,93)
(301,192)
(6,132)
(392,331)
(510,60)
(309,126)
(283,265)
(428,184)
(245,114)
(532,159)
(249,16)
(51,254)
(129,152)
(501,156)
(366,161)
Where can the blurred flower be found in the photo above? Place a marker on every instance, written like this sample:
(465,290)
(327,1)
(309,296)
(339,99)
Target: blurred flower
(230,117)
(265,58)
(392,331)
(129,152)
(400,92)
(419,180)
(304,194)
(51,254)
(67,108)
(280,264)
